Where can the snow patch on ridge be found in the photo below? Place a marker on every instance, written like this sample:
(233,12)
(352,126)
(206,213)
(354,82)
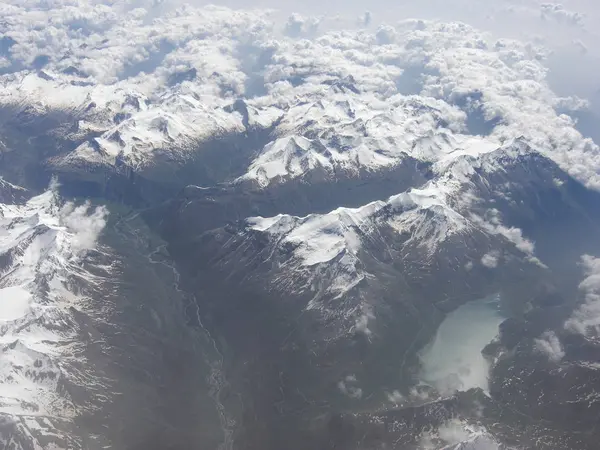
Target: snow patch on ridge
(319,238)
(289,157)
(335,240)
(333,244)
(345,137)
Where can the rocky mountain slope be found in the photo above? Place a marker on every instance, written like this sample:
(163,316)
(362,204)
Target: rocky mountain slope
(87,346)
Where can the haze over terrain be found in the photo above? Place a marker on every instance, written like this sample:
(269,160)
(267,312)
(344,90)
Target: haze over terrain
(281,226)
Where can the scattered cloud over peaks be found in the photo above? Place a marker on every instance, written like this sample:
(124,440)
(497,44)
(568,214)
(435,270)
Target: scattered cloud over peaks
(550,345)
(586,319)
(84,222)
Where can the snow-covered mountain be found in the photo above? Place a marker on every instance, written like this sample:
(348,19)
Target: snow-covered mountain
(353,286)
(83,317)
(255,234)
(43,248)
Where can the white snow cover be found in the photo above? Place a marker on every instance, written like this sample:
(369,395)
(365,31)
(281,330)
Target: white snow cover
(359,134)
(140,80)
(477,442)
(335,239)
(458,435)
(42,246)
(288,157)
(330,245)
(320,238)
(173,125)
(323,241)
(349,100)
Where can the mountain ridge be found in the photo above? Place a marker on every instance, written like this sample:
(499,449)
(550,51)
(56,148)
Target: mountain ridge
(255,235)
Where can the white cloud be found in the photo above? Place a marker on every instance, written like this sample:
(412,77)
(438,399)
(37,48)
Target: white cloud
(586,318)
(490,260)
(549,344)
(558,12)
(419,394)
(362,324)
(571,103)
(493,224)
(396,397)
(299,26)
(84,222)
(348,386)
